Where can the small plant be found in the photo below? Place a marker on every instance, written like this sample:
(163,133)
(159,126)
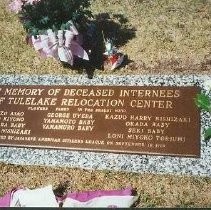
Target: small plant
(54,14)
(203,101)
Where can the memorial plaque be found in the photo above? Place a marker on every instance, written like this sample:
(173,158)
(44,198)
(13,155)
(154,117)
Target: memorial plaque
(139,120)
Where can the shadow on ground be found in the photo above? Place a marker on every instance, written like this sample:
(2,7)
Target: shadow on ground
(103,27)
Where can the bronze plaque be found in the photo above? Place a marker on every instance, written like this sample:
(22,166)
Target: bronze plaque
(140,120)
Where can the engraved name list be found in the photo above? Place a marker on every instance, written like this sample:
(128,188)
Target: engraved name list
(140,120)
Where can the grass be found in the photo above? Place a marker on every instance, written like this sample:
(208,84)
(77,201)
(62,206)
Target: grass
(165,36)
(153,190)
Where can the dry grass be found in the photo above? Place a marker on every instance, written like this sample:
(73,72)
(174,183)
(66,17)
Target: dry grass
(172,36)
(154,190)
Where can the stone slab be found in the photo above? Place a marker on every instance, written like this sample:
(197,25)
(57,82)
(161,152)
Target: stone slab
(111,161)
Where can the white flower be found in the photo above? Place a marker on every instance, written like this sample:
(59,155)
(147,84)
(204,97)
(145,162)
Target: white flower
(207,84)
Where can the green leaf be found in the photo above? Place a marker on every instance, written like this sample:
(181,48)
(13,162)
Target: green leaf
(34,31)
(207,135)
(44,20)
(63,26)
(203,102)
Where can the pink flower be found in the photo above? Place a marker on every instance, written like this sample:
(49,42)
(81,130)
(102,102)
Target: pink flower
(16,5)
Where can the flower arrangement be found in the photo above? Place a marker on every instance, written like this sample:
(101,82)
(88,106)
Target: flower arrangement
(112,57)
(55,27)
(64,30)
(203,101)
